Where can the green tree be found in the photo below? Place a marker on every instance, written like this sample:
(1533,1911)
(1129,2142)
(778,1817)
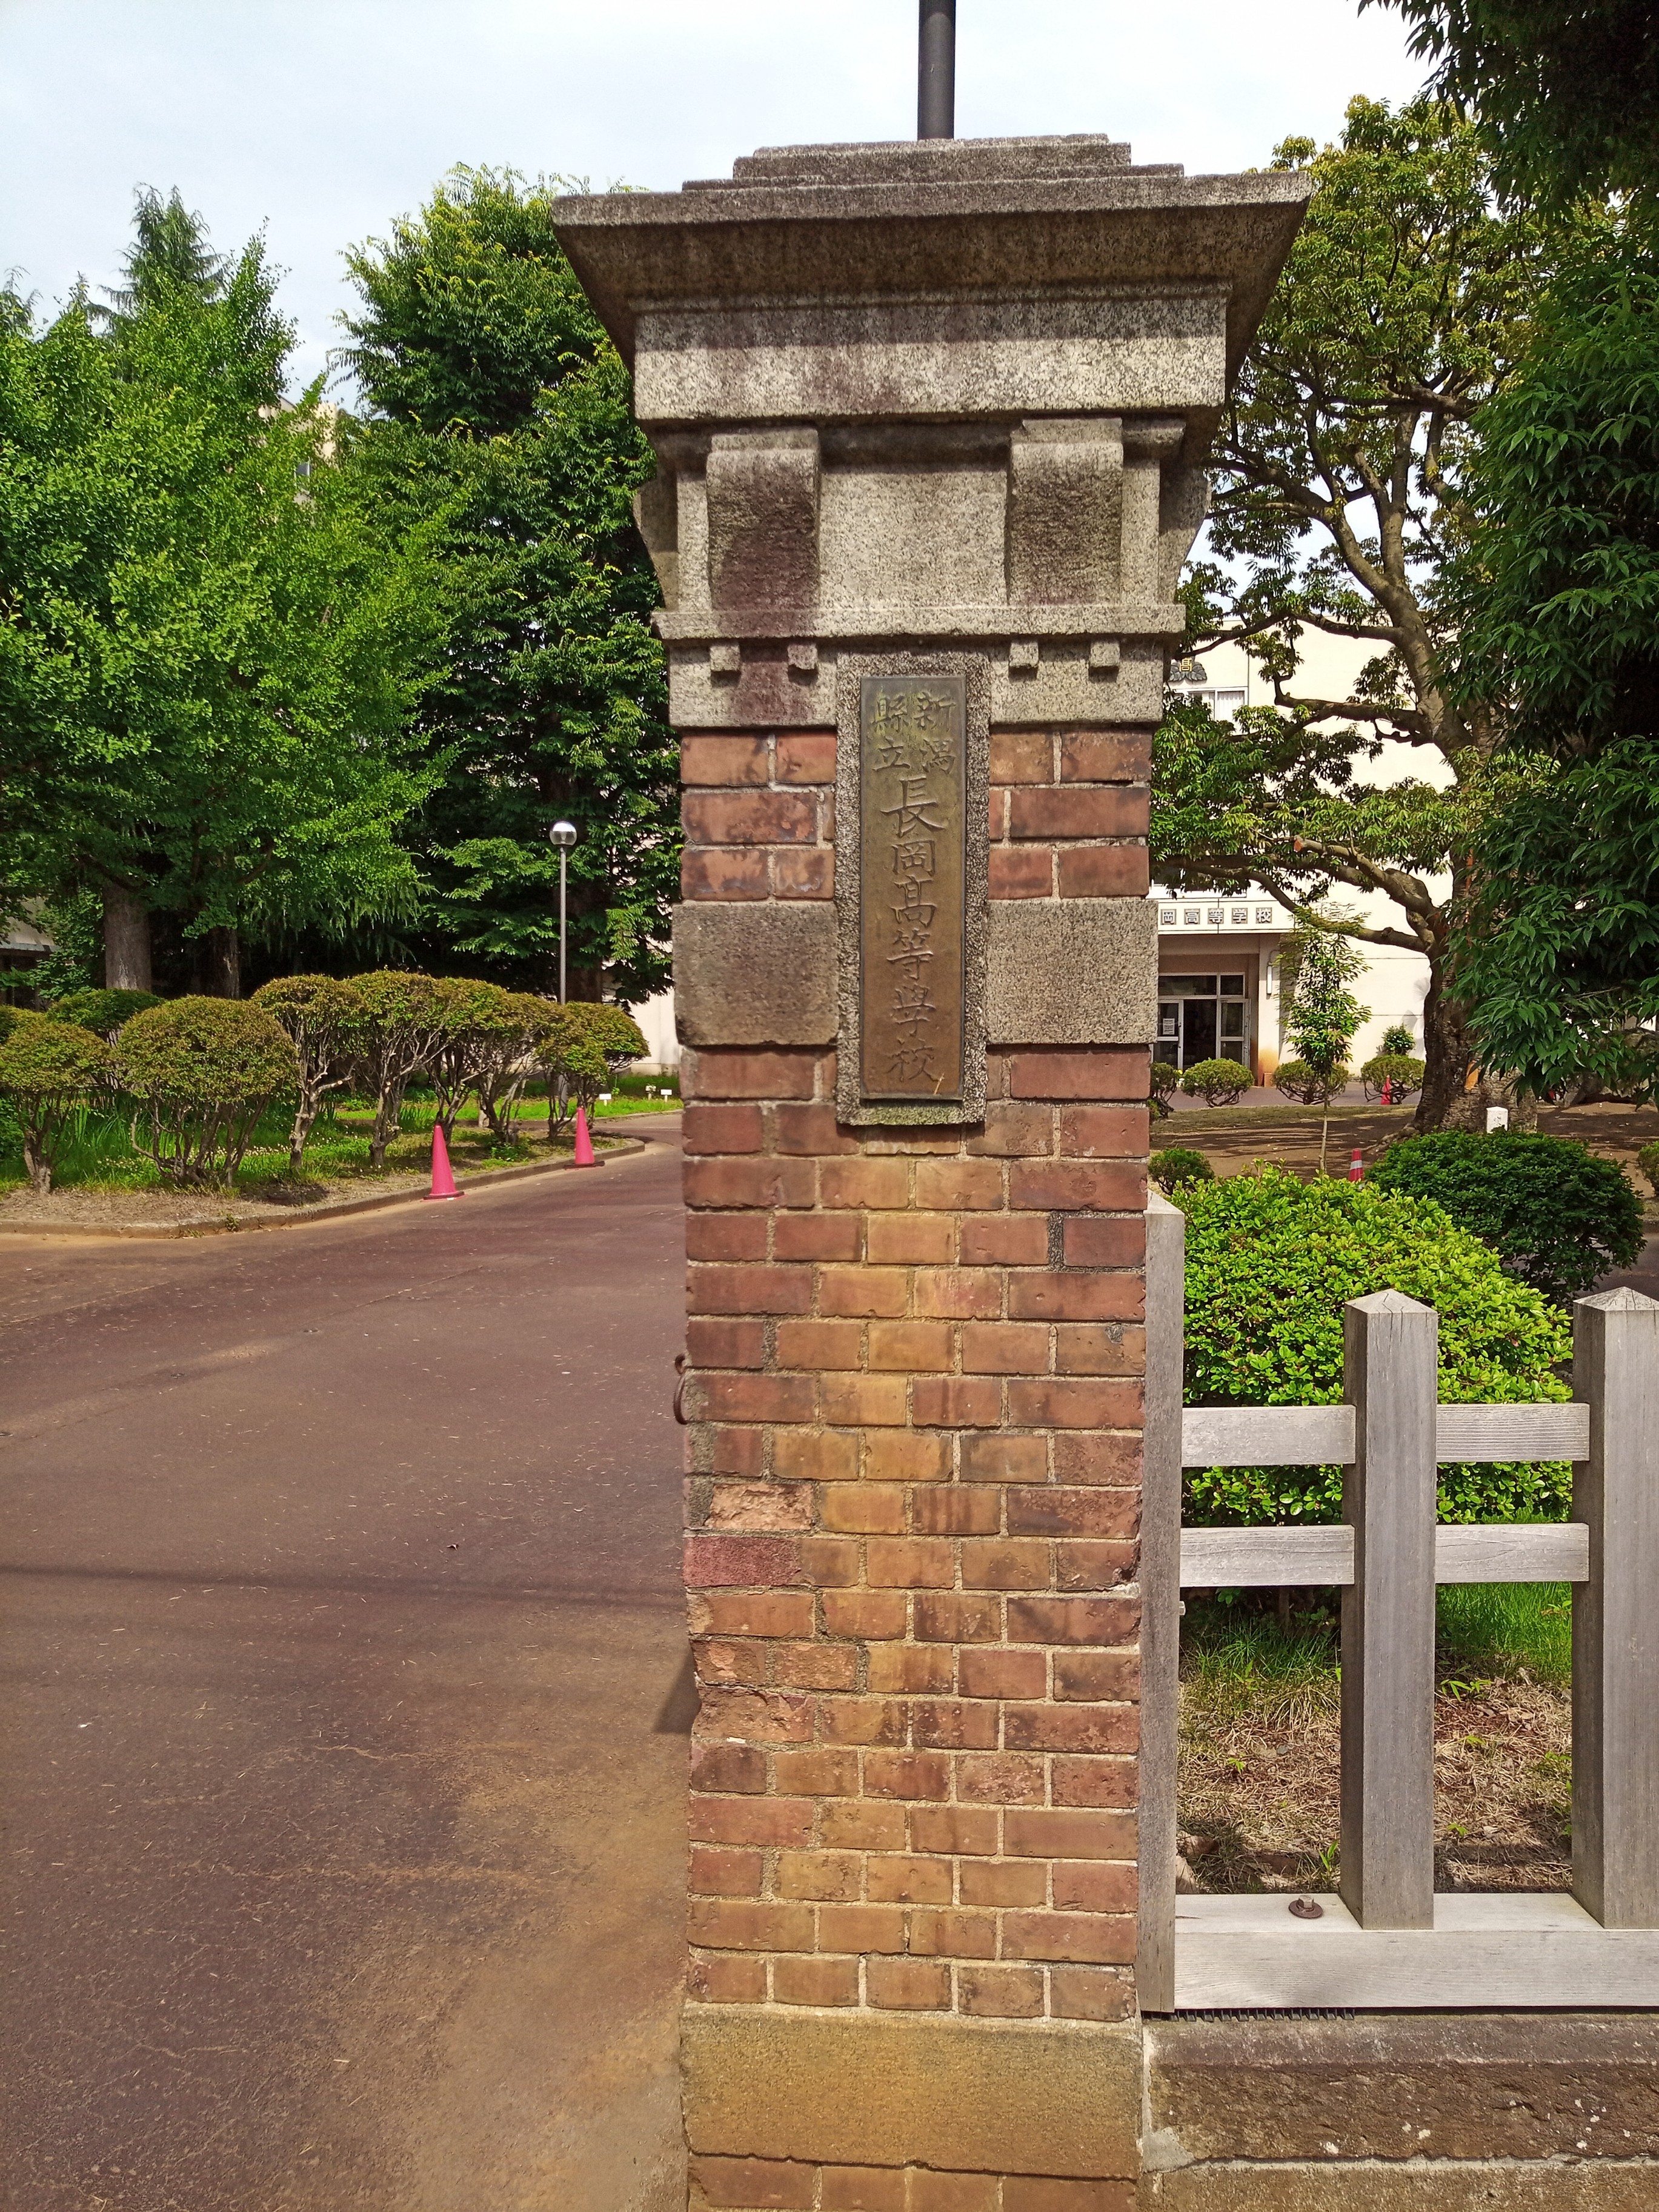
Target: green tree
(1324,1016)
(1560,945)
(1566,92)
(316,1013)
(1407,298)
(48,1072)
(213,641)
(497,402)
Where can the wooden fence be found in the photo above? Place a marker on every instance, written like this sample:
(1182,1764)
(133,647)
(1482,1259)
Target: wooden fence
(1385,1938)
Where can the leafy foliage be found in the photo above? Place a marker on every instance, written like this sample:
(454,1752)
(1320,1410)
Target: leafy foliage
(1271,1262)
(586,1046)
(1308,1086)
(316,1014)
(1402,1071)
(204,677)
(1215,1081)
(397,1032)
(1648,1160)
(1397,1038)
(1561,584)
(501,407)
(101,1012)
(1407,298)
(1177,1164)
(49,1069)
(1557,1215)
(1567,95)
(1324,1016)
(201,1072)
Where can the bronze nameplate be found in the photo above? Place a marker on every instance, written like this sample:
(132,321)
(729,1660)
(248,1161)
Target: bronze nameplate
(913,810)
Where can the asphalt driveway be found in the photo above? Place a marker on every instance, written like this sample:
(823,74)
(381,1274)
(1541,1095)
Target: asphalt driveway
(342,1710)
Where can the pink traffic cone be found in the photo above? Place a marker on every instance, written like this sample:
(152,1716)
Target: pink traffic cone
(443,1180)
(1357,1167)
(1388,1090)
(584,1143)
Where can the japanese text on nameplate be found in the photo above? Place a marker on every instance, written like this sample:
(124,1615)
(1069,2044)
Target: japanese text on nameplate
(912,814)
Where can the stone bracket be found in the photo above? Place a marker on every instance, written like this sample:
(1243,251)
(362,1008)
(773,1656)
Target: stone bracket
(1072,971)
(749,973)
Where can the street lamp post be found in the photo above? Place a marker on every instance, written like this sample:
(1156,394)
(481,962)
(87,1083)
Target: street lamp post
(563,835)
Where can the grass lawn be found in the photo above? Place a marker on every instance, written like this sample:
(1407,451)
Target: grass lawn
(1258,1776)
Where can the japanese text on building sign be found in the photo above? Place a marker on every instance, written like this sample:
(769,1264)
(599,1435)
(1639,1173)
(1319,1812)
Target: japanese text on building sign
(913,811)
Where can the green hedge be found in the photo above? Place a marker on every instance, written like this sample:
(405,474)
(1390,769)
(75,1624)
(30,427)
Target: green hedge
(1557,1215)
(1271,1262)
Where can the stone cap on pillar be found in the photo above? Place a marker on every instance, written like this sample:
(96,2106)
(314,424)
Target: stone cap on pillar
(952,394)
(1060,223)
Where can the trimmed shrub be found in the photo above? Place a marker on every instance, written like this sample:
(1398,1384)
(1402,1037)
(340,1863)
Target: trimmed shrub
(522,1025)
(1398,1038)
(1177,1164)
(1648,1160)
(48,1070)
(1161,1087)
(103,1012)
(397,1035)
(201,1072)
(1305,1086)
(1399,1070)
(1271,1262)
(1215,1081)
(585,1046)
(316,1013)
(1556,1215)
(469,1013)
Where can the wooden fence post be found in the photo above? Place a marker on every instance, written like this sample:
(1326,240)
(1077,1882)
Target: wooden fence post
(1389,1370)
(1615,1622)
(1160,1603)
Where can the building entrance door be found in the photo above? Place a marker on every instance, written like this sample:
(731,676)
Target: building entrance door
(1202,1017)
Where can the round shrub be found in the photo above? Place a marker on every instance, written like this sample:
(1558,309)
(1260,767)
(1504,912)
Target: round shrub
(1648,1160)
(1305,1086)
(316,1014)
(48,1070)
(1556,1215)
(585,1045)
(1271,1262)
(1161,1087)
(102,1012)
(1177,1164)
(1397,1038)
(1215,1081)
(1402,1072)
(201,1072)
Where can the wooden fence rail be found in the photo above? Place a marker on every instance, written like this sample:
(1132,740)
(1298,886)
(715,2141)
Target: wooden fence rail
(1385,1938)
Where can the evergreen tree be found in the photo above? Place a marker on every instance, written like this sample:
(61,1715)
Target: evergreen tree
(497,403)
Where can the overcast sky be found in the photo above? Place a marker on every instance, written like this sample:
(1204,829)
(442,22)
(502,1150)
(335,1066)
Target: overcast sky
(321,119)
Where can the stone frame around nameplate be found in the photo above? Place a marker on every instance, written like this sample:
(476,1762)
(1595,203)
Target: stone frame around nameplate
(852,1108)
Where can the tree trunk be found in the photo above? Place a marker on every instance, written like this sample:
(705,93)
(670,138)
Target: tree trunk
(1446,1055)
(222,964)
(126,941)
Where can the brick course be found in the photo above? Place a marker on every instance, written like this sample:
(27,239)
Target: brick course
(913,1486)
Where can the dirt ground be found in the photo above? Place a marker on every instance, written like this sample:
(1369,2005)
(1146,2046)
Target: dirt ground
(1258,1804)
(1233,1139)
(84,1206)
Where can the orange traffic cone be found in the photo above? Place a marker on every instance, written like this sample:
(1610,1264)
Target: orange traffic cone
(443,1180)
(584,1143)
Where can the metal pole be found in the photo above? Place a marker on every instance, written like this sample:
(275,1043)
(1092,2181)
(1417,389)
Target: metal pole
(936,70)
(561,925)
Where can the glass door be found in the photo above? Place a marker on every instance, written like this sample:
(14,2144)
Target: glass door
(1202,1017)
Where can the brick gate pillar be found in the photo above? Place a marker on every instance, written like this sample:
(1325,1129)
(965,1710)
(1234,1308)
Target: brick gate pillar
(930,422)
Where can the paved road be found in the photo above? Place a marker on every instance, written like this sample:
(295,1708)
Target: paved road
(340,1711)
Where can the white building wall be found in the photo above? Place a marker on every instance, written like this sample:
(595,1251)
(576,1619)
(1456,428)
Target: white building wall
(1395,980)
(656,1021)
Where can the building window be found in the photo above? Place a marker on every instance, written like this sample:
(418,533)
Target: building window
(1202,1017)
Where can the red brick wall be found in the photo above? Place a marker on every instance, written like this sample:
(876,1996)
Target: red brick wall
(916,1362)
